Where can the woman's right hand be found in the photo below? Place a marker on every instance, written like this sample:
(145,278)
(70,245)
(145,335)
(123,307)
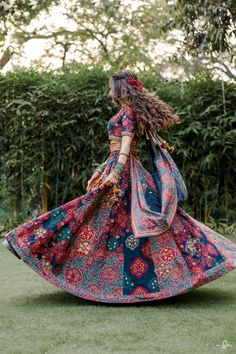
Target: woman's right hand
(92,180)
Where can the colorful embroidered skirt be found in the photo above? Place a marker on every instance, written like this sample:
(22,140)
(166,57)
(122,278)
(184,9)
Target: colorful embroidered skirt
(87,246)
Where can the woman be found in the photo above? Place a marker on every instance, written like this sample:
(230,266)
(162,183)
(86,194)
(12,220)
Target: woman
(127,239)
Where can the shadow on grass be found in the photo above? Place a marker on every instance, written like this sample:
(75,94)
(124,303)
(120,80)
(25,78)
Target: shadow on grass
(204,298)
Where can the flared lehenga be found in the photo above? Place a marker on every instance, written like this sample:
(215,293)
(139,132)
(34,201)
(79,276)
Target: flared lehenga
(119,245)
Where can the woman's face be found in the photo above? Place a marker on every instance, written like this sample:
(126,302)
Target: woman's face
(119,99)
(110,94)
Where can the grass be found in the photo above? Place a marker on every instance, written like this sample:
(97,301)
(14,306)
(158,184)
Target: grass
(38,318)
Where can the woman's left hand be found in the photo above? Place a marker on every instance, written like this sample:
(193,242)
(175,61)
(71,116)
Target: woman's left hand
(111,179)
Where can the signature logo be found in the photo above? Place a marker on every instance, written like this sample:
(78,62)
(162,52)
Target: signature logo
(224,344)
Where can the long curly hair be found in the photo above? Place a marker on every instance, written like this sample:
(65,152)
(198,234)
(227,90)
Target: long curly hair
(151,112)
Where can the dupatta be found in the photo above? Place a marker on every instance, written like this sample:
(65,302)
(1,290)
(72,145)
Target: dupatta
(170,191)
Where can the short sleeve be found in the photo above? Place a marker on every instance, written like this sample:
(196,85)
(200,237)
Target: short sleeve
(128,122)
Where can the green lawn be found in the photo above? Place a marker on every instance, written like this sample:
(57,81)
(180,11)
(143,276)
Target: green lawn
(36,317)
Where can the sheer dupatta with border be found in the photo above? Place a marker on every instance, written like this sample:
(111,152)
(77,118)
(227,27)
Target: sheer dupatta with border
(170,187)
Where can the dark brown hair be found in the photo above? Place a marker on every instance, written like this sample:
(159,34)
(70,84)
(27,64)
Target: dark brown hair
(151,112)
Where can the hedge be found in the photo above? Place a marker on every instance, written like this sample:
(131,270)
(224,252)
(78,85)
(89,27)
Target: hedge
(53,134)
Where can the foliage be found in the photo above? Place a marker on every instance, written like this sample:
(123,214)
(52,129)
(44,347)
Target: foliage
(222,226)
(120,33)
(209,29)
(207,24)
(101,31)
(53,134)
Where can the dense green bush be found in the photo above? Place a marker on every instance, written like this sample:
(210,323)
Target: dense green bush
(53,134)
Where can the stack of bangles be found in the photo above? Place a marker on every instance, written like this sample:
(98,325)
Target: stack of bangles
(100,168)
(119,168)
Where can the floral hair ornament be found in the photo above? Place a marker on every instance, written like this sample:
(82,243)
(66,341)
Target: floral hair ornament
(164,144)
(135,82)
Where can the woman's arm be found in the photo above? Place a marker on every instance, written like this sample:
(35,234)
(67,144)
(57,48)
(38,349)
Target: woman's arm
(96,174)
(128,130)
(125,148)
(101,167)
(119,168)
(128,125)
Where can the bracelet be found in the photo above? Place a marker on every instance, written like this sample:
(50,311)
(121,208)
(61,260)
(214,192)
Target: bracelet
(100,168)
(119,168)
(120,164)
(123,153)
(116,175)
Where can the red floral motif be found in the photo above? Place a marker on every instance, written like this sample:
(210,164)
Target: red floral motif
(163,270)
(84,248)
(228,265)
(114,295)
(94,289)
(139,290)
(210,249)
(178,274)
(197,271)
(86,233)
(167,254)
(23,234)
(72,250)
(22,230)
(36,247)
(209,261)
(60,256)
(120,256)
(87,240)
(138,267)
(73,275)
(146,249)
(200,281)
(100,253)
(109,274)
(162,240)
(122,217)
(46,273)
(89,260)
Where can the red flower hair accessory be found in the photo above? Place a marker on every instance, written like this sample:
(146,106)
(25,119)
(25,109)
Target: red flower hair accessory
(135,82)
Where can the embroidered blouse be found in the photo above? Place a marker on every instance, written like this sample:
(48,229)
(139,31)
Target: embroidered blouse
(123,123)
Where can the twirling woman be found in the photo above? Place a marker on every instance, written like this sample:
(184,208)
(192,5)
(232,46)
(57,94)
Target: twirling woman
(127,239)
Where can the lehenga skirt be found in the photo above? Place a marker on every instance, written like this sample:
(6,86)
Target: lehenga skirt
(88,246)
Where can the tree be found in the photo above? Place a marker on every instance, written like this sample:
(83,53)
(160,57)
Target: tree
(209,30)
(115,34)
(106,25)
